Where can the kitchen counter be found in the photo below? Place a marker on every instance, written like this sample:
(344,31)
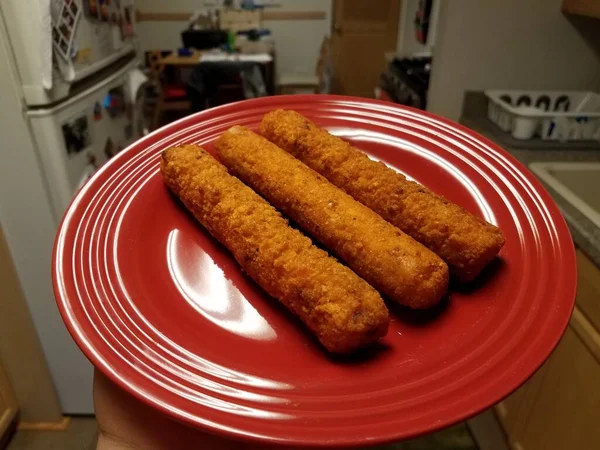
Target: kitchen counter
(585,234)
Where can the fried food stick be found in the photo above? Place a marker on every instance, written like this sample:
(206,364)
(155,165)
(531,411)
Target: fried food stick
(466,242)
(388,259)
(340,308)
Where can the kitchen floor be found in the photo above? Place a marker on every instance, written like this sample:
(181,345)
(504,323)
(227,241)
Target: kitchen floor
(81,435)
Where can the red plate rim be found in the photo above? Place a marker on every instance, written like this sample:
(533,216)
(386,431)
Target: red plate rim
(553,217)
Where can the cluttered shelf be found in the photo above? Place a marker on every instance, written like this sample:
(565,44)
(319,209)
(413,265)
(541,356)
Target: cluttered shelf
(227,55)
(157,16)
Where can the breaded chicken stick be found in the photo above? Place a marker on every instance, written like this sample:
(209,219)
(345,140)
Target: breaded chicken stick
(340,308)
(466,242)
(388,259)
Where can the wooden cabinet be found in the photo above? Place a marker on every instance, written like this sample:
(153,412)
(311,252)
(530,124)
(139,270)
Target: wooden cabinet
(588,288)
(590,8)
(559,407)
(8,408)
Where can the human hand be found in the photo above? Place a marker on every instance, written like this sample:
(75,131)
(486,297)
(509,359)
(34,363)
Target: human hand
(126,423)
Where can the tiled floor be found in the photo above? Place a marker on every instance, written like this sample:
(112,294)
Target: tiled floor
(81,435)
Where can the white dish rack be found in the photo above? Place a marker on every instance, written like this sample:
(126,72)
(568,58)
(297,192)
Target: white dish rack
(551,115)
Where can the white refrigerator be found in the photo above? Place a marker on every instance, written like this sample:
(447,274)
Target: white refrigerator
(72,97)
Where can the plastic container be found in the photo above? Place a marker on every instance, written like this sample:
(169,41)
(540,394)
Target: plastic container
(551,115)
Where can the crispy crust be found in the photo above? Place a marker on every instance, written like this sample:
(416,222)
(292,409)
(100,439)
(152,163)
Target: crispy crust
(388,259)
(340,308)
(466,242)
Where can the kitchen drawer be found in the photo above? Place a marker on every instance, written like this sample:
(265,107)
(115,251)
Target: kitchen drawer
(8,408)
(588,289)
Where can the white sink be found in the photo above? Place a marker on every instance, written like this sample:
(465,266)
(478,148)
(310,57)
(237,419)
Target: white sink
(577,182)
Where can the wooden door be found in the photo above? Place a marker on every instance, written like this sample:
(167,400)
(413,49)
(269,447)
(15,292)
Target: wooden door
(362,31)
(8,408)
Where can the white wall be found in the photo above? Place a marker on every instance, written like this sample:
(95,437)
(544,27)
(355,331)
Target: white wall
(297,43)
(510,44)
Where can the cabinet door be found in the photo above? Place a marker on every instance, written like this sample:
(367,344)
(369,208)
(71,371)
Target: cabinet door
(589,8)
(560,406)
(588,289)
(515,410)
(544,405)
(8,407)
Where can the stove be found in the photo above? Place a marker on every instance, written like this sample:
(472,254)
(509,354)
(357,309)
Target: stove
(406,81)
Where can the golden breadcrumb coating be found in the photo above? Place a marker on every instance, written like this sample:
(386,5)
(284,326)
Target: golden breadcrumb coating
(388,259)
(466,242)
(340,308)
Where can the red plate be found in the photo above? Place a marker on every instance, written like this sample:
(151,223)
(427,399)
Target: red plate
(165,312)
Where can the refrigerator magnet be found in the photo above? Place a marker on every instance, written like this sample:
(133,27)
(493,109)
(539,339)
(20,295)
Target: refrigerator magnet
(97,111)
(84,56)
(104,10)
(114,102)
(91,8)
(76,134)
(127,18)
(114,11)
(109,148)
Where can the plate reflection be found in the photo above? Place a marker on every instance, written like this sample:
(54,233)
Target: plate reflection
(206,289)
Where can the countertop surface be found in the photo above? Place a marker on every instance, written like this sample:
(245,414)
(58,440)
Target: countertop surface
(585,233)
